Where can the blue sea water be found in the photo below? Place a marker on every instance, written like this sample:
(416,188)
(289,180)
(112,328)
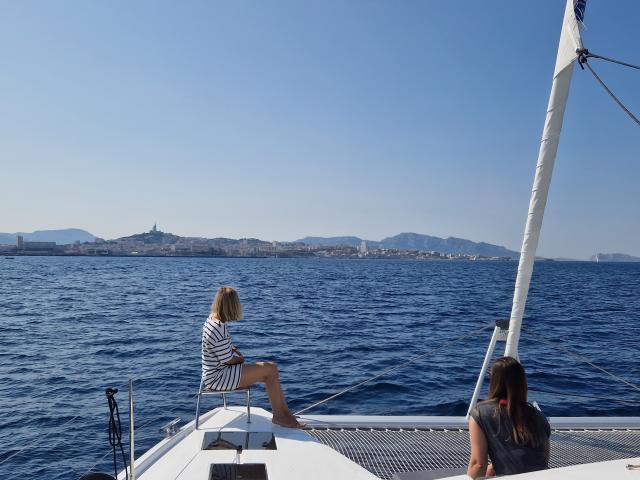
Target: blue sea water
(70,327)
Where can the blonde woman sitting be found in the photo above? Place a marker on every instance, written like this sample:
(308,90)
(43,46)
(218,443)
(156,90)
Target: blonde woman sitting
(223,367)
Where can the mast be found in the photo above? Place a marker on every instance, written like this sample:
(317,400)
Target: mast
(570,41)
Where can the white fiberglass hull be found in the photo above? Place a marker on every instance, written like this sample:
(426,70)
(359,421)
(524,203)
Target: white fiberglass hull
(384,445)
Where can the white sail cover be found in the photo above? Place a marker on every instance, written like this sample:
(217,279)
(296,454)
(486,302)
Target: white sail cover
(570,41)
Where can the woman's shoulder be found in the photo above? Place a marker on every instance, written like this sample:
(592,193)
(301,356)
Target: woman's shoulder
(484,410)
(542,418)
(487,405)
(536,410)
(214,324)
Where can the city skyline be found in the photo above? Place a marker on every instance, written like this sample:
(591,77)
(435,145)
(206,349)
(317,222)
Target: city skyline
(52,237)
(282,120)
(156,243)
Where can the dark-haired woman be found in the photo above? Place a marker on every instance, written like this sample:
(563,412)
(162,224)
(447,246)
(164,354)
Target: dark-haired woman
(506,428)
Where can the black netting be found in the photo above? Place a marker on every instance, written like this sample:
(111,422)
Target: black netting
(386,451)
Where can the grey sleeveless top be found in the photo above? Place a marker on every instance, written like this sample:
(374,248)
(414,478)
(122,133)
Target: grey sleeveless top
(508,457)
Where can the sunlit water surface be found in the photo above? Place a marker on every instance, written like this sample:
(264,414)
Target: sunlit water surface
(73,326)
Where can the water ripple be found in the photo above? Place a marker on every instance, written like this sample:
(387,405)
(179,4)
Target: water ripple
(73,326)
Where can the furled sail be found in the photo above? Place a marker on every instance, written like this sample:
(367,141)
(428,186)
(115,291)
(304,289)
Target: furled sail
(570,41)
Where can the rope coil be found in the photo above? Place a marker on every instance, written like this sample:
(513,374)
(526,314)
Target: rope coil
(115,431)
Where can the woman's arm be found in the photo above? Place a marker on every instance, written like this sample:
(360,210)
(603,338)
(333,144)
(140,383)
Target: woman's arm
(479,451)
(235,360)
(547,451)
(237,357)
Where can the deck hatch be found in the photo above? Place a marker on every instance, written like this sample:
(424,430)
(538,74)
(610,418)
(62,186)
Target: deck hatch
(233,440)
(238,471)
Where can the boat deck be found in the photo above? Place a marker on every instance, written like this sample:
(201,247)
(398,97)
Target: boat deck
(358,447)
(390,445)
(228,447)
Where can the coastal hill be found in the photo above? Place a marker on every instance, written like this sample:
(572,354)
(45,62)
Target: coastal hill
(614,257)
(65,236)
(336,242)
(446,245)
(417,241)
(153,237)
(158,243)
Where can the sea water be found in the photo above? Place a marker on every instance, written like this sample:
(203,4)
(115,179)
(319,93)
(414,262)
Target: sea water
(72,326)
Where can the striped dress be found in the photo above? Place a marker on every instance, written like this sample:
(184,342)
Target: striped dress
(216,351)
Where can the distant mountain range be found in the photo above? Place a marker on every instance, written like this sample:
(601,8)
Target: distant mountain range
(417,241)
(614,257)
(402,241)
(61,237)
(336,241)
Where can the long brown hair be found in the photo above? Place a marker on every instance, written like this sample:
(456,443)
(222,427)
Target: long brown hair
(509,388)
(226,305)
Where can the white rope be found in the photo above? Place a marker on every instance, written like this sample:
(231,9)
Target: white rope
(397,367)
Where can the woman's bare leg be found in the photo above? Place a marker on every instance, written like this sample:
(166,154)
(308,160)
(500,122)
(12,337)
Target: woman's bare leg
(267,373)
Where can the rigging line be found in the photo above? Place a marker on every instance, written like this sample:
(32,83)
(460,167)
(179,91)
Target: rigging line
(96,463)
(581,358)
(165,414)
(620,104)
(37,440)
(140,377)
(88,404)
(397,367)
(593,397)
(582,60)
(607,59)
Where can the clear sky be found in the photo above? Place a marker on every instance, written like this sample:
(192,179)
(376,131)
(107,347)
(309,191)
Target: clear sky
(281,119)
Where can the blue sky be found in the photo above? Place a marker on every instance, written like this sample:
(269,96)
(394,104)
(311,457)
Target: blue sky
(283,119)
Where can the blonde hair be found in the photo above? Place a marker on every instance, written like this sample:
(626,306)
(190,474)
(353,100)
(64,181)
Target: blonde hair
(226,305)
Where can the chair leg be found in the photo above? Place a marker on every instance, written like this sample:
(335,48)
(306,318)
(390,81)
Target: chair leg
(197,411)
(198,405)
(224,403)
(248,405)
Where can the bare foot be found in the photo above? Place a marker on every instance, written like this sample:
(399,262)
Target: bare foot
(288,421)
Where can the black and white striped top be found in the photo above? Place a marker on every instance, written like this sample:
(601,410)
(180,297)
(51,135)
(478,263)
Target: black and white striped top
(216,351)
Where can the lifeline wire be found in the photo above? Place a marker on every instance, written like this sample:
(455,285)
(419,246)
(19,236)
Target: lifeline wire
(96,463)
(590,397)
(36,441)
(397,367)
(43,437)
(166,414)
(141,427)
(581,358)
